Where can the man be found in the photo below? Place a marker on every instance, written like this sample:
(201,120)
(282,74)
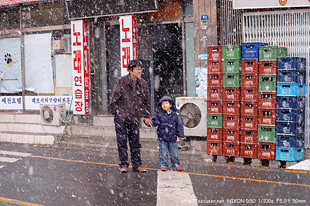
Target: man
(130,101)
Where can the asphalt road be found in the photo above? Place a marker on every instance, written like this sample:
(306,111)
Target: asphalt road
(47,176)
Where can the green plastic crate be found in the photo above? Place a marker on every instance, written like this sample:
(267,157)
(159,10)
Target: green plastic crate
(271,53)
(231,80)
(231,66)
(266,133)
(267,83)
(215,120)
(232,52)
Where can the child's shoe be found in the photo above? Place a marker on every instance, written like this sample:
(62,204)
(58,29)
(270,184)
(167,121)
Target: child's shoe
(179,168)
(164,169)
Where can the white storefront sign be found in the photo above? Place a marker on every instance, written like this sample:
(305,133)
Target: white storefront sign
(80,67)
(31,102)
(129,47)
(253,4)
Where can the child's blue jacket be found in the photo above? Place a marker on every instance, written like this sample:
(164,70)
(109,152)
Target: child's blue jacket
(170,126)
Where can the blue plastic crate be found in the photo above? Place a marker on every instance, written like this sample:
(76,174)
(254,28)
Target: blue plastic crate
(300,77)
(286,127)
(290,140)
(299,128)
(301,90)
(286,102)
(301,64)
(286,89)
(290,154)
(290,115)
(287,76)
(300,102)
(250,50)
(287,63)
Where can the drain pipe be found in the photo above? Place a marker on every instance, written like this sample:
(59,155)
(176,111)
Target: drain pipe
(67,116)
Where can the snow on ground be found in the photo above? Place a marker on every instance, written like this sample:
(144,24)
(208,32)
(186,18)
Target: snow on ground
(303,165)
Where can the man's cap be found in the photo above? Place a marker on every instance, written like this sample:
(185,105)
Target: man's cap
(133,63)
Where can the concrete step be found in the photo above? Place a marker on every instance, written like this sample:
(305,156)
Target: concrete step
(149,150)
(76,130)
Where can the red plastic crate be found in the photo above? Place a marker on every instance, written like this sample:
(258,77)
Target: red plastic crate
(249,66)
(215,147)
(215,80)
(249,108)
(231,121)
(215,66)
(214,107)
(267,116)
(215,52)
(248,150)
(214,134)
(249,93)
(231,94)
(248,136)
(231,135)
(249,122)
(231,107)
(249,80)
(231,149)
(267,68)
(267,100)
(214,93)
(266,150)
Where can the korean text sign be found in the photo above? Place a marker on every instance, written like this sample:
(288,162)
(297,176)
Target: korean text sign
(129,47)
(80,68)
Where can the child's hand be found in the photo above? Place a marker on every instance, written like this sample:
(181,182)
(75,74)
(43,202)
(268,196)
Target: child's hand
(180,138)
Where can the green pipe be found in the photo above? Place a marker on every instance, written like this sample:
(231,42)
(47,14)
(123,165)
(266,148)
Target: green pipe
(68,115)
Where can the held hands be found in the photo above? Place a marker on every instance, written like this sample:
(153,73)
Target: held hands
(147,121)
(180,139)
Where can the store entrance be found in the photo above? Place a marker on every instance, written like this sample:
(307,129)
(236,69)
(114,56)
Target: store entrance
(165,76)
(168,61)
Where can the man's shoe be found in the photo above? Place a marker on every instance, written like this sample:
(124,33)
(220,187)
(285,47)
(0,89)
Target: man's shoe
(123,169)
(179,168)
(140,169)
(164,169)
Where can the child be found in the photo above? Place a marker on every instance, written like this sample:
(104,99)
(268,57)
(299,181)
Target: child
(170,128)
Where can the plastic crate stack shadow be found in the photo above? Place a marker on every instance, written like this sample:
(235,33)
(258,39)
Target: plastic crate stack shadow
(214,101)
(266,135)
(231,101)
(249,98)
(290,134)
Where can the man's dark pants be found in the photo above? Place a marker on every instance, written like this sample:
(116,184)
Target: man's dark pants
(130,130)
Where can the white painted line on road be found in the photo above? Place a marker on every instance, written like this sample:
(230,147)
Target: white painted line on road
(175,188)
(20,154)
(1,166)
(6,159)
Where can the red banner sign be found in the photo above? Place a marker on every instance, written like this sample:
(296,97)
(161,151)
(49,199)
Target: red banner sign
(129,46)
(80,68)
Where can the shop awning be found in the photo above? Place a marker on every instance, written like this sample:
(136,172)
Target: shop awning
(81,9)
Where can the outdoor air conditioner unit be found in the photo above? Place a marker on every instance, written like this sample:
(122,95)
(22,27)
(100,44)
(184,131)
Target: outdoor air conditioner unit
(193,111)
(52,114)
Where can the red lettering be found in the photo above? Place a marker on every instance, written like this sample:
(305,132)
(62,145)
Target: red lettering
(77,60)
(76,34)
(78,94)
(126,39)
(126,56)
(78,81)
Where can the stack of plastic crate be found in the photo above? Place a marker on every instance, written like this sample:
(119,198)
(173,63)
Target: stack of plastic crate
(267,100)
(290,137)
(249,100)
(214,101)
(231,105)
